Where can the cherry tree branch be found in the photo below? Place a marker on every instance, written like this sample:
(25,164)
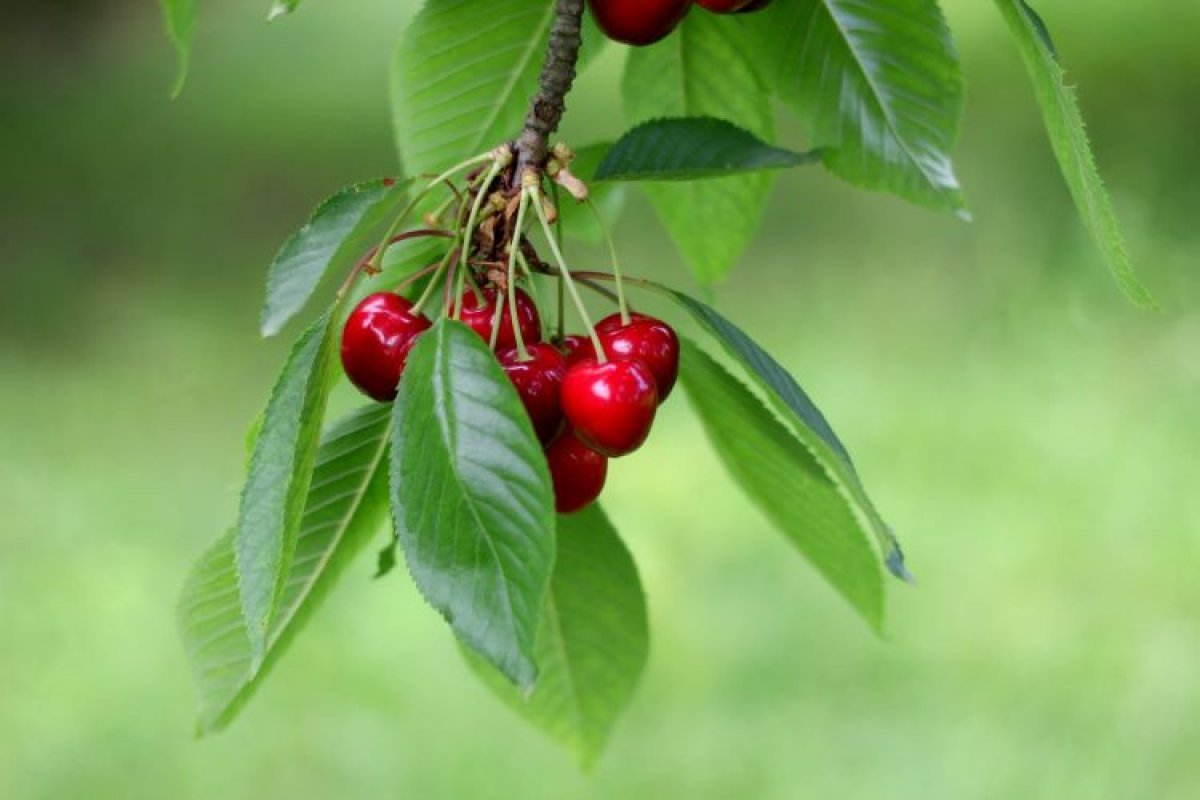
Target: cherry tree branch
(557,76)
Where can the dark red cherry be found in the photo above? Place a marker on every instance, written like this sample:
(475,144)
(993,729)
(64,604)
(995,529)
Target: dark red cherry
(723,6)
(578,473)
(610,406)
(480,317)
(539,383)
(577,347)
(647,339)
(638,22)
(375,343)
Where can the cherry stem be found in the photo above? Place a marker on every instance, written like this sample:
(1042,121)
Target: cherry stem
(381,250)
(416,276)
(558,233)
(469,230)
(497,317)
(524,264)
(566,274)
(452,257)
(622,305)
(513,248)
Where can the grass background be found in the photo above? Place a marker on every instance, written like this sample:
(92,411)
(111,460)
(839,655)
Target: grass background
(1032,437)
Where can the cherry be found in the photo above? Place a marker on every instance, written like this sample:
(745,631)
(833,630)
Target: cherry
(647,339)
(375,343)
(578,473)
(577,347)
(638,22)
(479,318)
(538,382)
(724,6)
(611,406)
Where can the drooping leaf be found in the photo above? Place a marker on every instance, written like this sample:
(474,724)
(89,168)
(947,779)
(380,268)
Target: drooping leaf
(339,231)
(700,70)
(691,148)
(180,18)
(279,476)
(463,75)
(782,476)
(592,644)
(281,8)
(471,497)
(878,82)
(803,417)
(346,504)
(1068,138)
(578,222)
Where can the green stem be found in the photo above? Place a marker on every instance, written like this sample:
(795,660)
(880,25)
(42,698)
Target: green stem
(469,230)
(622,305)
(513,248)
(558,232)
(566,274)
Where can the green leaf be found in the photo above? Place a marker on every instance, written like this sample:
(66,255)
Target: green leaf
(804,419)
(786,481)
(879,84)
(471,497)
(280,473)
(700,70)
(691,148)
(337,233)
(463,75)
(180,18)
(592,644)
(281,8)
(1064,124)
(346,504)
(608,198)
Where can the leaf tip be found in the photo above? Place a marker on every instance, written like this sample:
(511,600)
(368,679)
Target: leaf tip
(896,566)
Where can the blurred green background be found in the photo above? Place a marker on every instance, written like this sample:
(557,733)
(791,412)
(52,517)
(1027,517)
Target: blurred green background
(1032,437)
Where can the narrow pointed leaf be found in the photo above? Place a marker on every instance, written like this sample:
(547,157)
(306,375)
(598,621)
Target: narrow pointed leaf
(783,477)
(341,230)
(463,75)
(471,497)
(180,19)
(278,481)
(1068,138)
(592,644)
(691,148)
(346,505)
(803,417)
(879,84)
(701,70)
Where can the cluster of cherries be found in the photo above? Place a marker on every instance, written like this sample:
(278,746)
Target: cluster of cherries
(642,22)
(585,407)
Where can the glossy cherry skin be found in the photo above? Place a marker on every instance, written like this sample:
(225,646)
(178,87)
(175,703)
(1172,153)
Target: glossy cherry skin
(577,347)
(723,6)
(479,318)
(539,383)
(578,473)
(375,343)
(610,406)
(638,22)
(647,339)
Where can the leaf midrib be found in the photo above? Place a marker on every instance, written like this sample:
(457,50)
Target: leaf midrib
(875,94)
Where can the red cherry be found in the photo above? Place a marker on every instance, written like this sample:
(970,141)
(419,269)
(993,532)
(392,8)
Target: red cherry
(638,22)
(577,347)
(479,318)
(647,339)
(723,6)
(375,343)
(539,382)
(611,406)
(578,473)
